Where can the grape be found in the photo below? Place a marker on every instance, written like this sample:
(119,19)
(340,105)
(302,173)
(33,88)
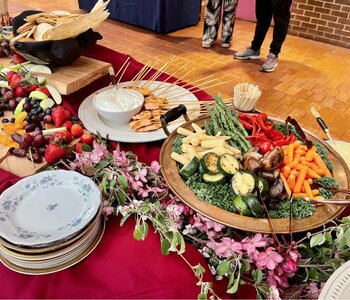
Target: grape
(9,95)
(42,150)
(16,137)
(29,127)
(37,158)
(35,119)
(36,132)
(48,139)
(42,124)
(4,91)
(12,104)
(28,118)
(19,152)
(27,107)
(47,119)
(38,141)
(41,115)
(27,140)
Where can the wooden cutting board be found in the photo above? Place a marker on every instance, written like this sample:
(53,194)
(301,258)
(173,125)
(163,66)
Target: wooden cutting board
(69,79)
(80,73)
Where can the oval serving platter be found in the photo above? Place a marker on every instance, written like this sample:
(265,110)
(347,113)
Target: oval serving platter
(322,214)
(47,207)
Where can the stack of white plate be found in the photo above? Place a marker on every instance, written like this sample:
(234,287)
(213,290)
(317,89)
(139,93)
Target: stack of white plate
(49,222)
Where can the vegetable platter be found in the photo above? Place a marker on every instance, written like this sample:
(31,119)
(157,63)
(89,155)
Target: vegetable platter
(242,170)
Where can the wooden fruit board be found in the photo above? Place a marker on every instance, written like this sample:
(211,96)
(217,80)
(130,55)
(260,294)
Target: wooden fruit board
(321,216)
(19,166)
(69,79)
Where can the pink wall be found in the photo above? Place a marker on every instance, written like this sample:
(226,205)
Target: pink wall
(246,10)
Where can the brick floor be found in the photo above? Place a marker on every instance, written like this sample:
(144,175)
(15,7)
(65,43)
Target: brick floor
(309,74)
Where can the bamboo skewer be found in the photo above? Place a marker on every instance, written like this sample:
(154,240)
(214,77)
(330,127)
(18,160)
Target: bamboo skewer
(156,75)
(145,73)
(160,86)
(173,84)
(141,71)
(121,76)
(191,89)
(121,68)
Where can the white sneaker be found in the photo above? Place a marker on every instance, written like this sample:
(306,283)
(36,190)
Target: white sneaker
(208,43)
(270,64)
(225,45)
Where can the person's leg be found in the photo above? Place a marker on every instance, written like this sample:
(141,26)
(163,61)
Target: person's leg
(211,22)
(281,17)
(263,11)
(228,21)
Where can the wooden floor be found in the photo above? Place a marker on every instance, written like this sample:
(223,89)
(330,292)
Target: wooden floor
(309,73)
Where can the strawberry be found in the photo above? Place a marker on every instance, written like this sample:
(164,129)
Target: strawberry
(9,75)
(77,148)
(15,81)
(76,130)
(62,137)
(18,59)
(68,124)
(68,114)
(21,92)
(32,87)
(87,138)
(44,91)
(54,153)
(59,115)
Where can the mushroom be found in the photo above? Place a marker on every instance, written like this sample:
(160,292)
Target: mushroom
(273,159)
(251,160)
(276,188)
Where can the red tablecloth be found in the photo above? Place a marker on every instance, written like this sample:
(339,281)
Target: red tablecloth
(120,267)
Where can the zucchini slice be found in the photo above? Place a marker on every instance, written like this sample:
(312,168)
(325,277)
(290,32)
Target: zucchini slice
(209,163)
(189,169)
(228,164)
(242,206)
(214,178)
(254,205)
(262,185)
(243,183)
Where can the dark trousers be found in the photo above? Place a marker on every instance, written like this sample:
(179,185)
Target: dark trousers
(212,19)
(265,10)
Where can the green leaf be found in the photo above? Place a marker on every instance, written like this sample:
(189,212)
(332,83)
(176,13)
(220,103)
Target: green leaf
(328,237)
(121,197)
(347,237)
(137,233)
(122,221)
(103,163)
(144,230)
(165,245)
(257,276)
(202,296)
(104,183)
(234,288)
(199,270)
(245,266)
(86,148)
(259,296)
(123,182)
(317,240)
(313,274)
(112,184)
(223,268)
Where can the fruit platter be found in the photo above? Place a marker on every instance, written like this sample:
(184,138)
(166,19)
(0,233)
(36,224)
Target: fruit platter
(251,172)
(35,127)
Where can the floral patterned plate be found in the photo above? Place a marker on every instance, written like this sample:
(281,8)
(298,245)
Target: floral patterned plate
(47,207)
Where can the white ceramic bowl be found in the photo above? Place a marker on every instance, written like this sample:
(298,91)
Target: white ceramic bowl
(113,115)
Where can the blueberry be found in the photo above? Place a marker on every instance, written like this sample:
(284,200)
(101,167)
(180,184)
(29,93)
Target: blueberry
(1,113)
(27,100)
(48,111)
(5,120)
(12,120)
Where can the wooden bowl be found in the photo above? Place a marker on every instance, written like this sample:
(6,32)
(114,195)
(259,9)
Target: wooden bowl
(321,216)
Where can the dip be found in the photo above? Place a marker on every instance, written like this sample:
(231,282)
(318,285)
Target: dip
(116,100)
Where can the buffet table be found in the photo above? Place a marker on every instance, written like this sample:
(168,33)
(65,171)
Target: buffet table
(120,267)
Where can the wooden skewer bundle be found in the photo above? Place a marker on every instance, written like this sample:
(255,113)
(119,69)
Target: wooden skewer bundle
(245,96)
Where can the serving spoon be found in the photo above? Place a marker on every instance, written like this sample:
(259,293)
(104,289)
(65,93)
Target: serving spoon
(8,153)
(345,202)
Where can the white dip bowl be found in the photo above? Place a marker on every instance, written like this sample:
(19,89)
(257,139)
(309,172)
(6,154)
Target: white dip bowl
(117,106)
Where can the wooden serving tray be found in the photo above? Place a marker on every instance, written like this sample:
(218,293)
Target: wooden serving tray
(77,75)
(321,216)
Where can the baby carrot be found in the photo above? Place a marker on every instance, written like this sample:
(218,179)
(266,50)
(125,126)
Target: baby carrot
(290,152)
(291,181)
(308,189)
(315,192)
(318,160)
(285,183)
(310,153)
(310,181)
(301,195)
(292,164)
(286,171)
(312,173)
(300,179)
